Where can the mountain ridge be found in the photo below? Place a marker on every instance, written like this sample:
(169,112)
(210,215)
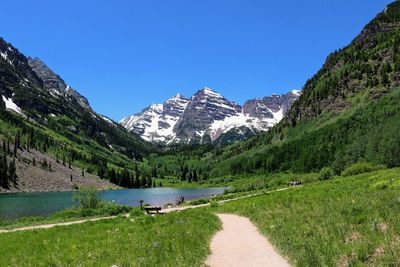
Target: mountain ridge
(48,122)
(206,116)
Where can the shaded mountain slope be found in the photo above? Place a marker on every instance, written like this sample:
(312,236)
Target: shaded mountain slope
(39,111)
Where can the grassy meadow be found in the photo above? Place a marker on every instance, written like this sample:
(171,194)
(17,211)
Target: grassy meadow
(180,239)
(346,221)
(351,220)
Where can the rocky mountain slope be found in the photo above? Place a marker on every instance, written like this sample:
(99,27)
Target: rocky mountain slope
(40,112)
(208,117)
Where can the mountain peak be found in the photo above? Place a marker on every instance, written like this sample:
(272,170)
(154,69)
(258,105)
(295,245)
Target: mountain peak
(295,92)
(178,96)
(208,92)
(54,83)
(206,116)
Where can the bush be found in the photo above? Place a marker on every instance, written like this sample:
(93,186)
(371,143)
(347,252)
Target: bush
(361,167)
(199,201)
(214,203)
(114,209)
(89,199)
(325,174)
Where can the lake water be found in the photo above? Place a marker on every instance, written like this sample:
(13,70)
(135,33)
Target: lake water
(37,204)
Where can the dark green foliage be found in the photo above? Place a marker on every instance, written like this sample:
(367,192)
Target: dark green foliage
(12,174)
(325,174)
(89,198)
(4,178)
(370,133)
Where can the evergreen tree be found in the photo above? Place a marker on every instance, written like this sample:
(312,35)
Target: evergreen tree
(4,172)
(12,173)
(44,164)
(4,148)
(190,177)
(15,146)
(195,178)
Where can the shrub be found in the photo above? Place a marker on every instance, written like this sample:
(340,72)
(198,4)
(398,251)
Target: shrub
(89,198)
(114,209)
(214,204)
(361,167)
(325,174)
(199,201)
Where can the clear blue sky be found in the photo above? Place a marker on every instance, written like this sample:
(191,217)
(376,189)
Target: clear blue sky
(125,54)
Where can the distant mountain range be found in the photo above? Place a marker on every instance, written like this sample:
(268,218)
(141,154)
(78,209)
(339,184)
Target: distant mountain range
(208,117)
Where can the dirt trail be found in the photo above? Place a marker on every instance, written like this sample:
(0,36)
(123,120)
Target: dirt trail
(47,226)
(240,244)
(222,201)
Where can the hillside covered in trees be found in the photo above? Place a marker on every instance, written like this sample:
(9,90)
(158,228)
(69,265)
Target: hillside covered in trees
(348,112)
(43,120)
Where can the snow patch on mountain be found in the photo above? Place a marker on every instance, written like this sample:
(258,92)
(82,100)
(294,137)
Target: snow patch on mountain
(11,105)
(107,119)
(5,57)
(244,120)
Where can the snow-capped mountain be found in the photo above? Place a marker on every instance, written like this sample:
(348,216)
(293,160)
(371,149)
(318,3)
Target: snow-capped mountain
(157,122)
(207,116)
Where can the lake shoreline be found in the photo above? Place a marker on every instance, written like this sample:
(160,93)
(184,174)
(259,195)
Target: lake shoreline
(103,189)
(20,205)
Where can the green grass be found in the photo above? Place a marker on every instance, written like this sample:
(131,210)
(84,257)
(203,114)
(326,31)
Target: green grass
(352,220)
(72,214)
(180,239)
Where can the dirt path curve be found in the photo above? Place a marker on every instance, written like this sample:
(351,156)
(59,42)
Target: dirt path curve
(240,244)
(47,226)
(222,201)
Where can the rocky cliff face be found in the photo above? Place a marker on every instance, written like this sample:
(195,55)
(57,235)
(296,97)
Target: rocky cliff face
(156,123)
(204,108)
(55,84)
(208,117)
